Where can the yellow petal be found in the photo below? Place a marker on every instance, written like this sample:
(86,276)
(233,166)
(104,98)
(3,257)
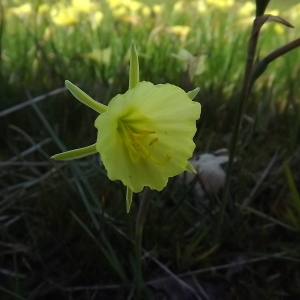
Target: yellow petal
(160,122)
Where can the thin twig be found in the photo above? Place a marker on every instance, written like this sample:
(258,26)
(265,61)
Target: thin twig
(171,275)
(232,265)
(176,278)
(32,101)
(261,179)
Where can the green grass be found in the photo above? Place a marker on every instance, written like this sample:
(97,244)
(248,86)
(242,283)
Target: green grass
(64,230)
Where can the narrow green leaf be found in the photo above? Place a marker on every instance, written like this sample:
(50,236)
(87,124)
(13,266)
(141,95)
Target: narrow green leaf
(192,94)
(85,98)
(292,186)
(80,180)
(292,218)
(129,194)
(76,153)
(190,249)
(16,296)
(134,72)
(279,20)
(267,217)
(109,253)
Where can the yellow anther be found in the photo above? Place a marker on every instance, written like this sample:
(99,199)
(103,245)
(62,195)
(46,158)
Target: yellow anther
(137,147)
(153,141)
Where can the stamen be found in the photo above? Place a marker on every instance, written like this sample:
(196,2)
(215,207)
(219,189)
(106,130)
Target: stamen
(153,141)
(160,162)
(134,141)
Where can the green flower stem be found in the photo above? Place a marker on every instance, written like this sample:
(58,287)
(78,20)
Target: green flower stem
(140,220)
(252,44)
(134,73)
(261,6)
(76,153)
(252,72)
(262,65)
(85,98)
(129,195)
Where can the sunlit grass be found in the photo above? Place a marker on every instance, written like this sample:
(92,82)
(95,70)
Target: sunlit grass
(54,230)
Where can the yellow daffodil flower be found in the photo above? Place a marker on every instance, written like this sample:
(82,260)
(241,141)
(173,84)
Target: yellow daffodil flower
(157,8)
(64,15)
(201,6)
(247,9)
(21,10)
(84,6)
(144,136)
(294,12)
(180,31)
(44,8)
(221,3)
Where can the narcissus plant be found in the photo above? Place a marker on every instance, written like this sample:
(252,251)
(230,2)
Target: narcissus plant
(144,136)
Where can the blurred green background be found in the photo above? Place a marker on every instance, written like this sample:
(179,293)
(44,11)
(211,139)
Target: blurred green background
(64,231)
